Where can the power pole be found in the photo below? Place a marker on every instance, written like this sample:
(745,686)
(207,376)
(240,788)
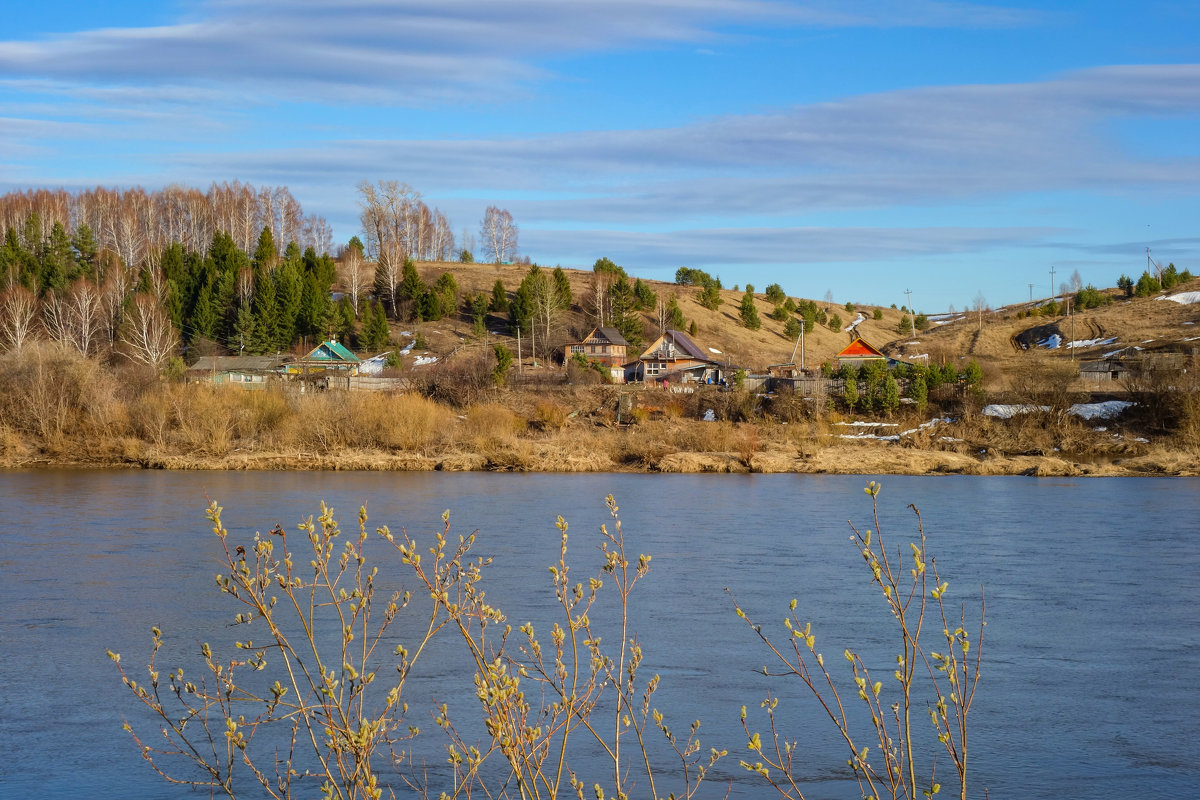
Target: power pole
(912,316)
(1051,282)
(1031,294)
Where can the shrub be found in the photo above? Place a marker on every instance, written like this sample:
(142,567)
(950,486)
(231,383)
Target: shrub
(915,595)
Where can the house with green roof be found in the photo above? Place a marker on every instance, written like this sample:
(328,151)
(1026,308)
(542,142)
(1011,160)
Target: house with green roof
(329,356)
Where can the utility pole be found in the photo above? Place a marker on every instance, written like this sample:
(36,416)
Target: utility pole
(1051,282)
(1031,294)
(912,317)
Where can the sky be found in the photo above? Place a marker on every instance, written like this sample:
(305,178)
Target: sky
(858,149)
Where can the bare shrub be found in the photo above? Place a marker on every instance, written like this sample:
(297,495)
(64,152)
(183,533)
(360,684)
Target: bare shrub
(459,381)
(410,421)
(51,391)
(490,425)
(260,414)
(549,415)
(204,417)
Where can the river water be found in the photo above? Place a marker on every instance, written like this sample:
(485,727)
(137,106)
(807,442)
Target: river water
(1091,649)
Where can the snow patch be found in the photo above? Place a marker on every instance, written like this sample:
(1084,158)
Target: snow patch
(423,360)
(1183,298)
(895,437)
(1105,410)
(1089,411)
(714,350)
(1090,342)
(1051,342)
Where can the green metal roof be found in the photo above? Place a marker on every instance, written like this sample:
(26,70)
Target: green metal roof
(331,351)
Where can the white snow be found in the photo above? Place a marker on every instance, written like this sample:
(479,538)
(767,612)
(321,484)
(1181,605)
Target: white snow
(714,350)
(1183,298)
(1051,342)
(710,416)
(860,318)
(1105,410)
(1090,342)
(423,360)
(1008,411)
(895,437)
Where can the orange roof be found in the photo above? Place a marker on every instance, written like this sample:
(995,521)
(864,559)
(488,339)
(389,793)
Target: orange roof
(860,349)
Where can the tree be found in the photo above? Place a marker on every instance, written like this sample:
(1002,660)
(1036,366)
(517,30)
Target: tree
(562,287)
(1147,285)
(375,332)
(605,265)
(504,362)
(18,318)
(877,314)
(775,294)
(354,268)
(850,392)
(709,296)
(835,322)
(499,234)
(499,301)
(891,395)
(673,316)
(476,307)
(646,298)
(465,256)
(409,293)
(918,390)
(792,328)
(747,311)
(147,335)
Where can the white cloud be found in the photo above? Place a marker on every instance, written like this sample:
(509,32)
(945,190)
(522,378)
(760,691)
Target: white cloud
(424,51)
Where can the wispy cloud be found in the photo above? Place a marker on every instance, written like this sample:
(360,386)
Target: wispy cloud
(914,146)
(420,51)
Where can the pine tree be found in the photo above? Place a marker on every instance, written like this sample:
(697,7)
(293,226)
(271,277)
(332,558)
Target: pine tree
(499,303)
(748,312)
(375,333)
(675,319)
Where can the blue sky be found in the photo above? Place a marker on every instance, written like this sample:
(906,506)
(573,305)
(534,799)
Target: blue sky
(859,147)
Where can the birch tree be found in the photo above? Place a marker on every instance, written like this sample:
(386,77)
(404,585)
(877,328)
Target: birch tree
(147,335)
(18,318)
(499,234)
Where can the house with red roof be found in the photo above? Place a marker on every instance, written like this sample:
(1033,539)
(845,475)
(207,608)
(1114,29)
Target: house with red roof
(859,351)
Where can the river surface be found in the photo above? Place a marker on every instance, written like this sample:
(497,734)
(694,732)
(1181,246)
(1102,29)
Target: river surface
(1091,650)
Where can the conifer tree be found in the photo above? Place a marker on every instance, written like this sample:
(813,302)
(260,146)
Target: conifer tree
(748,312)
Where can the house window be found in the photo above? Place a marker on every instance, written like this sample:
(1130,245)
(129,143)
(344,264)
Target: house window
(576,348)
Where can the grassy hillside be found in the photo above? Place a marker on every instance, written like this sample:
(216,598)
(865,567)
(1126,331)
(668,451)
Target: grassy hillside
(993,338)
(719,330)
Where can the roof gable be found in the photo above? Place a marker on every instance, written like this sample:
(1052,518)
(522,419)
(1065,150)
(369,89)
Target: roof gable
(683,344)
(331,351)
(859,348)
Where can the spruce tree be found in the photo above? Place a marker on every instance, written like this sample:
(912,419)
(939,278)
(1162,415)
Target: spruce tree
(748,312)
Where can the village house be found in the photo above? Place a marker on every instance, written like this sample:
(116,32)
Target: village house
(330,356)
(859,351)
(605,346)
(245,372)
(675,357)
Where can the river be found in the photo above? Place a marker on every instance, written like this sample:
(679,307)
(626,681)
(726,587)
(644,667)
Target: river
(1090,652)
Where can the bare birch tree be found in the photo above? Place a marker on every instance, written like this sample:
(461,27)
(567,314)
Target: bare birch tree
(18,318)
(355,273)
(147,335)
(499,234)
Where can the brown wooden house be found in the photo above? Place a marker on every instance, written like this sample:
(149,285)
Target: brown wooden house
(674,356)
(603,345)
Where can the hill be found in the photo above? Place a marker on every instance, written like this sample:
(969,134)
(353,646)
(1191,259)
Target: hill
(1002,340)
(720,330)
